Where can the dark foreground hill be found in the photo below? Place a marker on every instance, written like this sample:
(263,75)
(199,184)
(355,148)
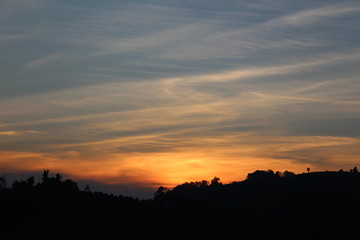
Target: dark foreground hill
(267,205)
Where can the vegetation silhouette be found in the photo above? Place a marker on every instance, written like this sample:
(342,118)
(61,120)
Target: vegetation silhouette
(267,205)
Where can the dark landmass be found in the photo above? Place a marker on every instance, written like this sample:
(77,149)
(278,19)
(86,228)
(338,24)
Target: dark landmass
(267,205)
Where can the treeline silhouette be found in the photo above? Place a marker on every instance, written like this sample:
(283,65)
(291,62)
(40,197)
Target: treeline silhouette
(267,205)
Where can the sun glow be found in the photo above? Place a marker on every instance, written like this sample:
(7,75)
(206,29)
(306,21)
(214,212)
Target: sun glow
(228,158)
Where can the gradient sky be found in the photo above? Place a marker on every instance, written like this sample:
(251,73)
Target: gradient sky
(135,94)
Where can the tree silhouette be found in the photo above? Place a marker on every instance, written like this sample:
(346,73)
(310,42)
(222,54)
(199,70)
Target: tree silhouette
(24,185)
(31,181)
(45,176)
(256,207)
(87,188)
(160,193)
(288,174)
(2,182)
(262,175)
(58,177)
(215,181)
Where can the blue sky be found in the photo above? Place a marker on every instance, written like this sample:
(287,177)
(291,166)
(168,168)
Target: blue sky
(159,92)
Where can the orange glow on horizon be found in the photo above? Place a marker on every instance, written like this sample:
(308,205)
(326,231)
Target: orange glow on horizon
(227,159)
(154,170)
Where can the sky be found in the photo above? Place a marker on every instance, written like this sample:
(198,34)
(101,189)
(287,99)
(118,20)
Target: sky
(132,95)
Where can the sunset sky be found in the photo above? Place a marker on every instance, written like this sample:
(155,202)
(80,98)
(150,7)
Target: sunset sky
(133,94)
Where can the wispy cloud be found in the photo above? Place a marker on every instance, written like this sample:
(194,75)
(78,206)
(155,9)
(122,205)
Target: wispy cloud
(17,133)
(159,38)
(9,9)
(11,37)
(117,99)
(9,133)
(314,15)
(44,60)
(249,73)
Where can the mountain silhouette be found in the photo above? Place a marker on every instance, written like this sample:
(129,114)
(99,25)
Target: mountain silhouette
(267,205)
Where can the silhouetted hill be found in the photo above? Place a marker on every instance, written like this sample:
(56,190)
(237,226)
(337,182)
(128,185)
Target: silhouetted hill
(267,205)
(321,205)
